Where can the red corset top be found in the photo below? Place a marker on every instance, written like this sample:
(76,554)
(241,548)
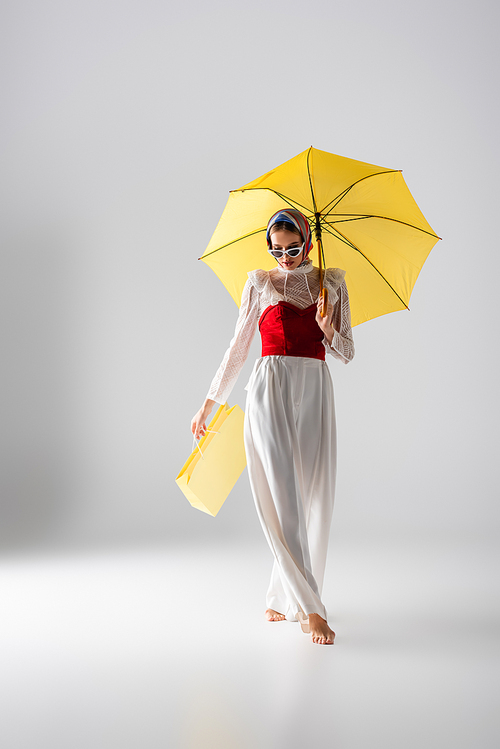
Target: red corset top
(287,330)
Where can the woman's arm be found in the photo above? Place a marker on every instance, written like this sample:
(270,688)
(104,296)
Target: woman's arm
(233,360)
(198,424)
(338,334)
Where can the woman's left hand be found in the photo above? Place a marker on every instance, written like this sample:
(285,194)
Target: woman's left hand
(325,323)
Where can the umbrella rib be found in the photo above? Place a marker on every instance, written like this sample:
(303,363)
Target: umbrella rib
(338,199)
(343,220)
(353,246)
(233,241)
(344,192)
(288,200)
(359,217)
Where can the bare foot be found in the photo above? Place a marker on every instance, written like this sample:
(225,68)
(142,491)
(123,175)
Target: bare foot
(321,633)
(274,616)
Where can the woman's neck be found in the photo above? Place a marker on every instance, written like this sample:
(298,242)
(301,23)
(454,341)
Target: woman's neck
(305,267)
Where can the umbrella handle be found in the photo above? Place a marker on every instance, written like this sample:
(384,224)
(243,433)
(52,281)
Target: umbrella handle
(324,301)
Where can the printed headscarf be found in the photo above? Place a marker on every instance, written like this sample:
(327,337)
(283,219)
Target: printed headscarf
(295,217)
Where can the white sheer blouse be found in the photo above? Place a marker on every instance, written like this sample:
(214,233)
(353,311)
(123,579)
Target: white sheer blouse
(299,287)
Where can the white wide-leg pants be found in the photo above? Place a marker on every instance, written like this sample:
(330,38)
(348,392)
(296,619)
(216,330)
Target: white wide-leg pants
(290,442)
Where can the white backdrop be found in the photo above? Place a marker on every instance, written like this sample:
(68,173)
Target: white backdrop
(125,125)
(130,619)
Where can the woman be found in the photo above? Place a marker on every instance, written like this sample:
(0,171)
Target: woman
(290,432)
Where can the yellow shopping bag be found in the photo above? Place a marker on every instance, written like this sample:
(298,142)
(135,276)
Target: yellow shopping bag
(216,463)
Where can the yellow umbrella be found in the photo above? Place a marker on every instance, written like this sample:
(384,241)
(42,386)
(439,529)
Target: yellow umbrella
(364,218)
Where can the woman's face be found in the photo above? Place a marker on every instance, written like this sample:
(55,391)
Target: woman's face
(287,240)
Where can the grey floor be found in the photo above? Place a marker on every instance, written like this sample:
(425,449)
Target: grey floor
(169,648)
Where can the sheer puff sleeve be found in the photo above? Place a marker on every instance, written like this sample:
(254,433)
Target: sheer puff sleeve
(342,346)
(237,353)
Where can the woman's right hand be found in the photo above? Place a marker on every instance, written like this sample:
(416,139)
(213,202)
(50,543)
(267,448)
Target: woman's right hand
(198,424)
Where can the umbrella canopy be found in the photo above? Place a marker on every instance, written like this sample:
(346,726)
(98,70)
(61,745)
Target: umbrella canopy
(369,223)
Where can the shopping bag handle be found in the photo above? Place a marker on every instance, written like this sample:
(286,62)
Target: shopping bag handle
(197,444)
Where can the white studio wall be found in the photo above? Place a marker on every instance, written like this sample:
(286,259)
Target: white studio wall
(126,126)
